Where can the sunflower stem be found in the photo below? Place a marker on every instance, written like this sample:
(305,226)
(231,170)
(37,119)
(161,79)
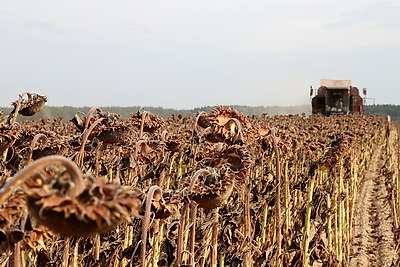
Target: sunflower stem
(181,230)
(214,239)
(12,118)
(193,213)
(153,191)
(33,144)
(65,262)
(277,198)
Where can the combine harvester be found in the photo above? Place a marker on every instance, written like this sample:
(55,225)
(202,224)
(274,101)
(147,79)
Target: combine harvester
(337,97)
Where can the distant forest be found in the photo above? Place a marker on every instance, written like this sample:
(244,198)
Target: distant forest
(383,110)
(68,112)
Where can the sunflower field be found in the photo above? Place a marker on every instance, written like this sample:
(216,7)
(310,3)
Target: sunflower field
(216,189)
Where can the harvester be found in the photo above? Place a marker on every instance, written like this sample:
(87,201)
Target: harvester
(336,97)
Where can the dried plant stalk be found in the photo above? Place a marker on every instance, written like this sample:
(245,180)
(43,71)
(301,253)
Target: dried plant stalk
(214,238)
(247,220)
(329,208)
(67,242)
(85,136)
(277,198)
(96,249)
(34,142)
(181,231)
(340,214)
(307,220)
(154,194)
(193,218)
(264,225)
(75,254)
(144,115)
(286,199)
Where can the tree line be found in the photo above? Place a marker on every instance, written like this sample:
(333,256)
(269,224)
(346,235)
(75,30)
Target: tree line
(68,112)
(383,110)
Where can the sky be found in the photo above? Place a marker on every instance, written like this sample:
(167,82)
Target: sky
(187,54)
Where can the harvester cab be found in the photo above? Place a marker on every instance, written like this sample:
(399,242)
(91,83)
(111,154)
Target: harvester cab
(336,97)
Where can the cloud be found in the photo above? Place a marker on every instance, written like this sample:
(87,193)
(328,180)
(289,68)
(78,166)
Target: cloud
(47,27)
(383,14)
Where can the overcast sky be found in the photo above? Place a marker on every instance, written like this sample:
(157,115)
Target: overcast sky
(193,53)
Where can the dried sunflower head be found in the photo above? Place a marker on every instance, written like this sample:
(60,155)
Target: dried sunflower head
(166,205)
(237,159)
(56,148)
(226,125)
(150,124)
(79,122)
(31,106)
(113,134)
(98,207)
(12,210)
(221,115)
(172,143)
(203,120)
(110,128)
(210,187)
(149,151)
(8,136)
(333,152)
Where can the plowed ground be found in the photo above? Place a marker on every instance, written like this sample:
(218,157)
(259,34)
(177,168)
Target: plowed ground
(374,243)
